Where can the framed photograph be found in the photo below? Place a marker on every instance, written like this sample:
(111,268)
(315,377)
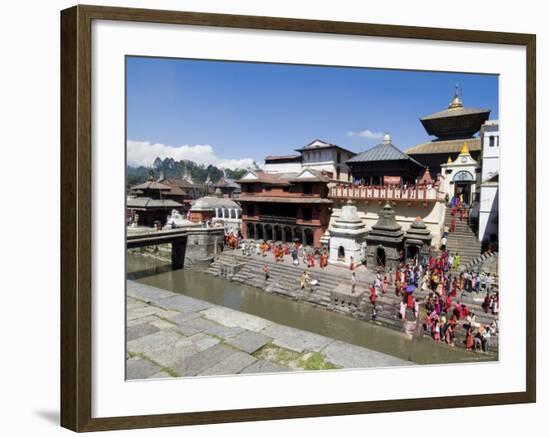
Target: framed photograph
(268,218)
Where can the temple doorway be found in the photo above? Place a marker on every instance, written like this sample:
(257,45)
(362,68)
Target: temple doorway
(278,233)
(268,232)
(309,237)
(250,231)
(298,235)
(259,232)
(288,234)
(341,253)
(380,257)
(464,189)
(412,252)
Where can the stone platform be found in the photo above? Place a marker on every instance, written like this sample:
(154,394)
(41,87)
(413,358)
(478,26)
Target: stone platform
(172,335)
(345,300)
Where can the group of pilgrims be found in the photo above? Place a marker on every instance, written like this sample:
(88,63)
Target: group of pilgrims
(278,250)
(438,280)
(445,315)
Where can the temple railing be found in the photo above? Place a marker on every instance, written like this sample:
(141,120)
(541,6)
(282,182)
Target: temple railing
(387,192)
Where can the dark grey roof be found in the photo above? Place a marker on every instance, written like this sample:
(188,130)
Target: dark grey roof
(382,152)
(146,202)
(455,112)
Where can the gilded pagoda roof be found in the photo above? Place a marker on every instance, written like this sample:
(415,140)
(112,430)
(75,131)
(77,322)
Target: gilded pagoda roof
(456,121)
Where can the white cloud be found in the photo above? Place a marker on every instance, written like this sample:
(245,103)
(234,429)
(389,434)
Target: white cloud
(367,133)
(145,152)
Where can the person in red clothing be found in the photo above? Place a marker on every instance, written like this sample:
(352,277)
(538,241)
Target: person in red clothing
(458,310)
(410,300)
(351,264)
(454,286)
(372,294)
(448,303)
(469,339)
(311,260)
(266,272)
(453,225)
(384,285)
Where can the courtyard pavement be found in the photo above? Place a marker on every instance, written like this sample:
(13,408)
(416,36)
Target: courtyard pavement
(172,335)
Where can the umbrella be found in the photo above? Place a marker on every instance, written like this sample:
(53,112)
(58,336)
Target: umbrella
(410,289)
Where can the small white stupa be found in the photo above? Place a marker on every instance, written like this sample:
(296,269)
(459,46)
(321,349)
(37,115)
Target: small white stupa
(348,237)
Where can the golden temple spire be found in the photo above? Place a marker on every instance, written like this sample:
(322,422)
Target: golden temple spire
(465,150)
(456,102)
(449,160)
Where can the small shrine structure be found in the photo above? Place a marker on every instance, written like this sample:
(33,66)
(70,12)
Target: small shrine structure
(347,237)
(385,240)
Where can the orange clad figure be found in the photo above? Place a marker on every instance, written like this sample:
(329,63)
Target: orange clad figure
(310,260)
(279,254)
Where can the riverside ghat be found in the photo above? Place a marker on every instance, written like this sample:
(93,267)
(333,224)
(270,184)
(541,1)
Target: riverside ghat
(326,306)
(376,250)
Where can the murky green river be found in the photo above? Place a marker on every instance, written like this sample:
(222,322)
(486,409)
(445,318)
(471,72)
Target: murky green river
(291,313)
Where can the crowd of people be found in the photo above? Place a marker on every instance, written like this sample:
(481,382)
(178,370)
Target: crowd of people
(297,252)
(445,314)
(442,285)
(439,280)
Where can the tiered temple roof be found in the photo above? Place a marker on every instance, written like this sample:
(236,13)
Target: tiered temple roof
(456,121)
(386,229)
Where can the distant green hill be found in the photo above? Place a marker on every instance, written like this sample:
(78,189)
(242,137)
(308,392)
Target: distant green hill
(176,169)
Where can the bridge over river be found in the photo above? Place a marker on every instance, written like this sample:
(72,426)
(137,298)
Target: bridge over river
(177,238)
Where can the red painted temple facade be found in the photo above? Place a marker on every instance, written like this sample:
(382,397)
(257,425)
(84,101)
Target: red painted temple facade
(285,207)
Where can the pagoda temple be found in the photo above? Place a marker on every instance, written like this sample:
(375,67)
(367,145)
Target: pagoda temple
(384,164)
(452,128)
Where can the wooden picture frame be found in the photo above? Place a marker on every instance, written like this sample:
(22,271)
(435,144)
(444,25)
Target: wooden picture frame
(76,219)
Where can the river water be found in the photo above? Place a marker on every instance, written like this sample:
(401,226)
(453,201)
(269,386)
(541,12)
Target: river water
(297,314)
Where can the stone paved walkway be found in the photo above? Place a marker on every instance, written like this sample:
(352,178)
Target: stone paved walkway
(171,335)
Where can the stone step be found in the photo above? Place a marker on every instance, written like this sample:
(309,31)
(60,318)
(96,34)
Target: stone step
(288,267)
(284,280)
(295,272)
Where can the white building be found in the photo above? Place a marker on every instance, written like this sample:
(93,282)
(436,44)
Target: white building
(347,237)
(318,155)
(490,149)
(488,199)
(283,164)
(220,211)
(461,176)
(321,155)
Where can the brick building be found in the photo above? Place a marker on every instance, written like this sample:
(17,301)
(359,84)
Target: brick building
(285,207)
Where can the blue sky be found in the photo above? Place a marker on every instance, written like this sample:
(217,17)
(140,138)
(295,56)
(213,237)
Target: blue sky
(230,113)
